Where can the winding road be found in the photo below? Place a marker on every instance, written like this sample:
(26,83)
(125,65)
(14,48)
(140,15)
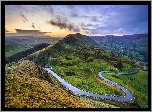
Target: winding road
(127,98)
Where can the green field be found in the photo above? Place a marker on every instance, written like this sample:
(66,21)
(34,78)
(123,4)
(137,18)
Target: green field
(15,45)
(136,83)
(84,75)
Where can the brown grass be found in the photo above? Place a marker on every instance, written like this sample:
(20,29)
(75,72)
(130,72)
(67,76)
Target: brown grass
(29,86)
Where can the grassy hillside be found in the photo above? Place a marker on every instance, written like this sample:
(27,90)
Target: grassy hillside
(28,86)
(15,45)
(79,62)
(136,83)
(77,59)
(24,53)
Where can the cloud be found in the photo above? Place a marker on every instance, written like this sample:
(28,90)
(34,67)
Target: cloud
(141,30)
(119,31)
(70,6)
(89,26)
(74,15)
(22,15)
(33,25)
(63,23)
(101,31)
(33,9)
(129,19)
(6,30)
(87,32)
(85,16)
(47,8)
(18,7)
(95,19)
(20,32)
(83,8)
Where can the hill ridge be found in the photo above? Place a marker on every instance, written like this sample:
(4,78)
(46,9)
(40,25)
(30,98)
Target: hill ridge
(77,60)
(82,38)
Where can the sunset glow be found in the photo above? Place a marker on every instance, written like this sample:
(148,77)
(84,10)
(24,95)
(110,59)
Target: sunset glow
(61,20)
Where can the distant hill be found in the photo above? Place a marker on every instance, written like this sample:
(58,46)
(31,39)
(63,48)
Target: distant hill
(78,42)
(82,38)
(25,53)
(140,38)
(79,45)
(134,46)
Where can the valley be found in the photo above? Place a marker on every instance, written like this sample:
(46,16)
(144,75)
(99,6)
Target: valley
(17,44)
(134,46)
(78,59)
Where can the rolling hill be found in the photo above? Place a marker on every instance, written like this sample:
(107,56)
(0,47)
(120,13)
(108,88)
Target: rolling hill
(16,57)
(134,46)
(78,59)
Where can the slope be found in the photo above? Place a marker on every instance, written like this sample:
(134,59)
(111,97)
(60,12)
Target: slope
(27,85)
(79,62)
(22,54)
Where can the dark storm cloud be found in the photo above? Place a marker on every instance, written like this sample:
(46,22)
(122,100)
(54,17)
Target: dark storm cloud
(63,23)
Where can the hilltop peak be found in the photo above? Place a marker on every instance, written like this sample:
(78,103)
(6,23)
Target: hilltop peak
(72,38)
(76,34)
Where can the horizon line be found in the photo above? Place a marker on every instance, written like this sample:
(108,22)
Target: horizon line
(75,33)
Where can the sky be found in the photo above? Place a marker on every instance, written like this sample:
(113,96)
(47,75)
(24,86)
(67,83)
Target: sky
(61,20)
